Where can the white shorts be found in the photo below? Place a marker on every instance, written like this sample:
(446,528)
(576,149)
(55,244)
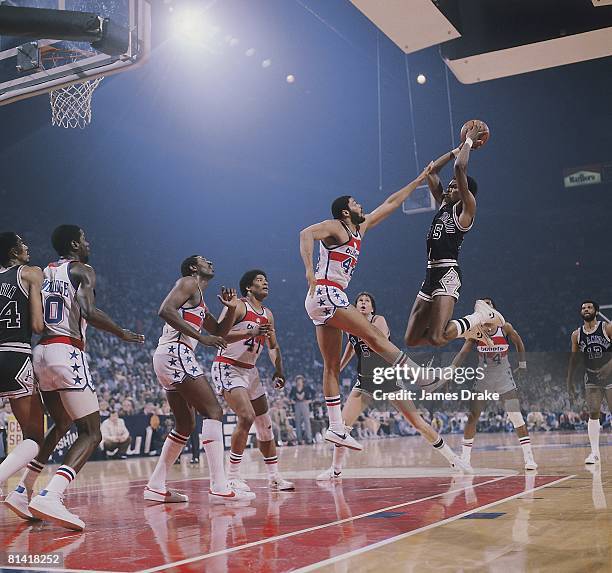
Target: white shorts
(498,380)
(173,362)
(226,377)
(323,304)
(60,366)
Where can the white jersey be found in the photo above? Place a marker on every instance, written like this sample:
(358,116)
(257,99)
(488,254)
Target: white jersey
(246,352)
(495,356)
(194,315)
(337,264)
(63,316)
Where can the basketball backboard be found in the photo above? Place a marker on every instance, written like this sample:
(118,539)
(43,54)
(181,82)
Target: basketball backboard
(421,201)
(19,81)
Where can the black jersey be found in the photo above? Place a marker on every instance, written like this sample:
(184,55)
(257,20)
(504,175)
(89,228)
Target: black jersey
(15,324)
(367,359)
(596,348)
(446,234)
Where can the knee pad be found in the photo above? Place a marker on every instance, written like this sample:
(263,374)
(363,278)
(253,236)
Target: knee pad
(263,427)
(514,413)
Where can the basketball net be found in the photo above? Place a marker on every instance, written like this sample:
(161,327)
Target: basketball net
(70,104)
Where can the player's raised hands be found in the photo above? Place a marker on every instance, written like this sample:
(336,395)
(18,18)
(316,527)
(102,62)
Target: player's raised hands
(129,336)
(215,341)
(424,174)
(228,297)
(475,131)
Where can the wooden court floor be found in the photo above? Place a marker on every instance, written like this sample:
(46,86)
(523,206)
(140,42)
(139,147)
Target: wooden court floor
(398,508)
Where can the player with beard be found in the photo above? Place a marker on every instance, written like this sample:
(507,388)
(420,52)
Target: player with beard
(363,392)
(236,378)
(21,313)
(430,319)
(593,340)
(328,306)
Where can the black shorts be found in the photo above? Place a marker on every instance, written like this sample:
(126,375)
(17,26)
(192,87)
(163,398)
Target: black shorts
(16,374)
(592,381)
(441,281)
(366,385)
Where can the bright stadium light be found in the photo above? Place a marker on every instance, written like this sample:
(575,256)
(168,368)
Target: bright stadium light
(191,25)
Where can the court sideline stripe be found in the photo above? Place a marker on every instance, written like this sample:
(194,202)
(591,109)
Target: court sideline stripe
(384,542)
(309,529)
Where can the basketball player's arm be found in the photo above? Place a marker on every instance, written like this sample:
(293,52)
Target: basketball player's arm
(468,202)
(86,279)
(393,202)
(243,334)
(274,352)
(183,290)
(515,338)
(33,277)
(433,181)
(467,347)
(222,327)
(349,352)
(571,369)
(329,229)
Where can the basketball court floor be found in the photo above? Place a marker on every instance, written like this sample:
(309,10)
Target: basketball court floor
(397,509)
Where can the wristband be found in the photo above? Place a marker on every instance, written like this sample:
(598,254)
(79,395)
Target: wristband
(522,364)
(469,142)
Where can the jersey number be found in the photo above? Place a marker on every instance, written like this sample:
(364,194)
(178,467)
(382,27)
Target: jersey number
(10,315)
(250,344)
(437,230)
(54,309)
(348,267)
(595,352)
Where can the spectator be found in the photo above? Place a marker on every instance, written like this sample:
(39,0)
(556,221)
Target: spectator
(115,436)
(302,396)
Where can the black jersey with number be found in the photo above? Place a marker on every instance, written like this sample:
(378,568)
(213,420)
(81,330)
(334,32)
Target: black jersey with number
(596,348)
(446,234)
(15,324)
(367,359)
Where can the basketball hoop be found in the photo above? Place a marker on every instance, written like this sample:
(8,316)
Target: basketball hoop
(70,104)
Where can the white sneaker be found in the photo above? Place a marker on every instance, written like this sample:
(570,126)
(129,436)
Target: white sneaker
(169,496)
(592,459)
(329,475)
(530,464)
(17,501)
(232,496)
(279,484)
(48,505)
(462,465)
(345,439)
(488,314)
(238,484)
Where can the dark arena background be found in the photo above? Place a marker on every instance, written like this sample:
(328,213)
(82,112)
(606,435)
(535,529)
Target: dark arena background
(224,128)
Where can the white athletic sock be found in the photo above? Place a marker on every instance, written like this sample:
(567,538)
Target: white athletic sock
(526,445)
(271,466)
(234,464)
(63,477)
(335,413)
(171,450)
(212,439)
(18,459)
(339,457)
(466,448)
(441,446)
(465,323)
(593,428)
(31,473)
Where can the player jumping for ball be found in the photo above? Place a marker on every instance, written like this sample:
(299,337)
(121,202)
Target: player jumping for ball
(430,319)
(328,306)
(594,340)
(497,379)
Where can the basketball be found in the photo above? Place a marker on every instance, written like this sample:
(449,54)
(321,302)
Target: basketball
(482,139)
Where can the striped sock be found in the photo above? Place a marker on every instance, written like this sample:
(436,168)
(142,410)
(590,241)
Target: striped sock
(441,446)
(526,445)
(173,446)
(335,413)
(271,465)
(32,471)
(234,464)
(63,477)
(462,325)
(466,448)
